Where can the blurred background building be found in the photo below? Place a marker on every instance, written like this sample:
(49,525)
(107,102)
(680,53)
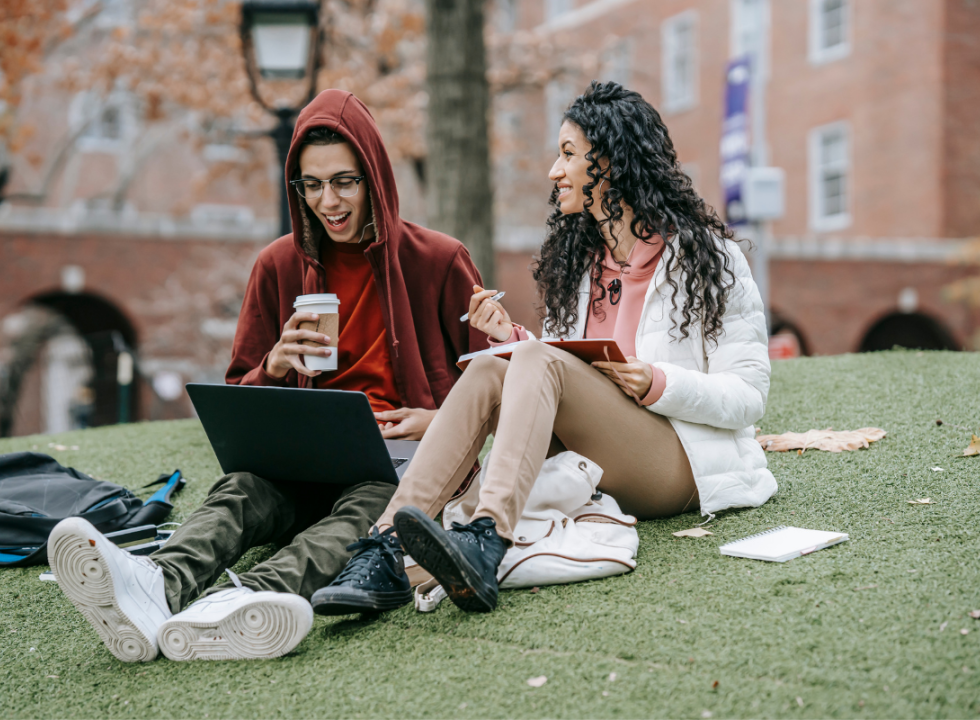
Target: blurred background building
(138,183)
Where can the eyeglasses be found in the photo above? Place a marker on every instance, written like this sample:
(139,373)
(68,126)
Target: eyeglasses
(311,189)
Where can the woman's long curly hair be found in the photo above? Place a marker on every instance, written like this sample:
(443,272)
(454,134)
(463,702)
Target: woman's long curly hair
(643,174)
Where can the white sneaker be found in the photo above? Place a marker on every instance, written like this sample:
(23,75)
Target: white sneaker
(237,624)
(121,595)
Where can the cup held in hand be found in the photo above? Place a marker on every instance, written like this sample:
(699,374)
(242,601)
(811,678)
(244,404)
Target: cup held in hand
(327,306)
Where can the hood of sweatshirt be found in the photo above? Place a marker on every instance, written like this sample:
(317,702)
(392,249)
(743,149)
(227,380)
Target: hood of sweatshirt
(346,115)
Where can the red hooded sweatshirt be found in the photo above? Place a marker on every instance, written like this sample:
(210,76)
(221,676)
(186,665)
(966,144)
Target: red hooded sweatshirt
(424,279)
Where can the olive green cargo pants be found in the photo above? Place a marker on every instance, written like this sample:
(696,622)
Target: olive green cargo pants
(243,511)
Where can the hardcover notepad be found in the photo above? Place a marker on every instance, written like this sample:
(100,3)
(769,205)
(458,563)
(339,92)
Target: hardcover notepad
(782,543)
(590,350)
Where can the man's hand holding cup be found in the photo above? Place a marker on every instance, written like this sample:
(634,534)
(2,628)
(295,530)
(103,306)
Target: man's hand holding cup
(488,315)
(285,355)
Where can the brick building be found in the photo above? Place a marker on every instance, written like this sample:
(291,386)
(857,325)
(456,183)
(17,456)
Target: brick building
(871,111)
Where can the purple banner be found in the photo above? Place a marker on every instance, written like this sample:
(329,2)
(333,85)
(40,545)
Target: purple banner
(735,146)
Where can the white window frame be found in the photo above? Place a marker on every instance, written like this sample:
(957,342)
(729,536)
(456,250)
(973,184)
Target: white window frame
(84,116)
(818,54)
(617,62)
(554,9)
(673,100)
(739,11)
(558,95)
(819,220)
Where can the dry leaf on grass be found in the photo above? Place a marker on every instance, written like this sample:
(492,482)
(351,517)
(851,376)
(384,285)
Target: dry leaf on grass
(973,448)
(921,501)
(830,440)
(975,614)
(693,532)
(537,681)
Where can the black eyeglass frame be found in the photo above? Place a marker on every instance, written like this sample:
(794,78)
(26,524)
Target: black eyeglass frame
(357,180)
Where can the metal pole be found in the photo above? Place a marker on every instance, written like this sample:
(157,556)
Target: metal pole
(282,134)
(760,153)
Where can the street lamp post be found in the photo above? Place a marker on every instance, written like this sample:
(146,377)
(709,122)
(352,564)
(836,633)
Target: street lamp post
(281,41)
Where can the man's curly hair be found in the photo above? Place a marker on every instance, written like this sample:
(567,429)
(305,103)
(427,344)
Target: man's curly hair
(643,174)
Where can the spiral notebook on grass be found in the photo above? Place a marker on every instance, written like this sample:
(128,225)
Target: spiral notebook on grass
(782,543)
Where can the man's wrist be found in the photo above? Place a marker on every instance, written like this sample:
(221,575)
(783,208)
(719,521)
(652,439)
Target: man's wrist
(269,368)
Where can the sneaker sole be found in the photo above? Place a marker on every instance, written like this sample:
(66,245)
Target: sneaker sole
(264,628)
(351,602)
(85,577)
(424,540)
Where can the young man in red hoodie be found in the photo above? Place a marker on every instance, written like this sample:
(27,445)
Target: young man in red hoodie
(402,289)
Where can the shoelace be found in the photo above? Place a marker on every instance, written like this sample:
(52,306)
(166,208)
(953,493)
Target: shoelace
(472,533)
(365,562)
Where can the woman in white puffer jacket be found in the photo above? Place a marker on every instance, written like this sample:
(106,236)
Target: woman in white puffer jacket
(632,253)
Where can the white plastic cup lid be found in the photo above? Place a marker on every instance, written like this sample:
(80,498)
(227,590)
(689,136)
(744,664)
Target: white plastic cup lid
(317,299)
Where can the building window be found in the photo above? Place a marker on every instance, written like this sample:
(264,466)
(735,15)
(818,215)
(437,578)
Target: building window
(830,171)
(102,124)
(679,76)
(558,95)
(829,30)
(556,8)
(506,11)
(750,29)
(617,62)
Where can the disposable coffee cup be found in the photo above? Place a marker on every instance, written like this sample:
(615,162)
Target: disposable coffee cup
(327,306)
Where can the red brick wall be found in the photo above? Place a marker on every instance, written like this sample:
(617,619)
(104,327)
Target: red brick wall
(962,129)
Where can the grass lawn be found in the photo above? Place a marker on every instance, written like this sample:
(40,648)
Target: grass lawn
(875,627)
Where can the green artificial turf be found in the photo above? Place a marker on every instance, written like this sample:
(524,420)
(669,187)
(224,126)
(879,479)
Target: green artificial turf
(870,628)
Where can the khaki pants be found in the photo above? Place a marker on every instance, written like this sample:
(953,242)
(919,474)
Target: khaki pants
(540,402)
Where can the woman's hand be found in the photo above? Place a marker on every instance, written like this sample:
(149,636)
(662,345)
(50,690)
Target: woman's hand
(489,316)
(634,374)
(285,354)
(405,423)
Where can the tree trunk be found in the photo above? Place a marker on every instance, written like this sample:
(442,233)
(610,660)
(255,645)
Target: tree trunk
(460,194)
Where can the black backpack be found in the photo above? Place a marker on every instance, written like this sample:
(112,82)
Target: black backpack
(36,493)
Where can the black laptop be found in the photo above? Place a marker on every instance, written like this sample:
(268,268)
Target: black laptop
(304,435)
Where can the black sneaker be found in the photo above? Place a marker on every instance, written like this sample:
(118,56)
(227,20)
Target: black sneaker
(464,560)
(374,580)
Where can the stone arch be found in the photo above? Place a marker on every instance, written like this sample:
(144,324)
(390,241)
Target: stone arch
(106,331)
(908,330)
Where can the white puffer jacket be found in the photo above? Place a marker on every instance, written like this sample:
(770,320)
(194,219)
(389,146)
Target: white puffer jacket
(715,393)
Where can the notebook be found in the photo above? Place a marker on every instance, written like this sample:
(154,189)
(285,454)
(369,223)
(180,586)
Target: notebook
(782,543)
(590,350)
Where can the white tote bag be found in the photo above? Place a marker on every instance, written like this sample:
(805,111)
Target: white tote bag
(568,532)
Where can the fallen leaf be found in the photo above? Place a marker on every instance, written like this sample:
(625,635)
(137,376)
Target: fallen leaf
(682,622)
(535,590)
(799,701)
(964,631)
(53,446)
(830,440)
(714,685)
(973,448)
(538,681)
(612,677)
(937,469)
(693,532)
(706,713)
(866,587)
(921,501)
(605,693)
(54,676)
(975,614)
(943,626)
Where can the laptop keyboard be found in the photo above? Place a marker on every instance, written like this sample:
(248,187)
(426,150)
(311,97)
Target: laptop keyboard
(398,462)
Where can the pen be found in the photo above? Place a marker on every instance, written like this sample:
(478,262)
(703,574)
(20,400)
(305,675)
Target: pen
(495,298)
